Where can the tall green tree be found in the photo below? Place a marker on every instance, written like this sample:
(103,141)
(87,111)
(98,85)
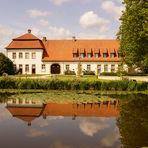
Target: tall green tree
(6,65)
(133,33)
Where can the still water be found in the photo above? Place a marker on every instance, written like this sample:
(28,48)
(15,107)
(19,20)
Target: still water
(121,121)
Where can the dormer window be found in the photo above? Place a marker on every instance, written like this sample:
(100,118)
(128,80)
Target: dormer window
(97,53)
(112,55)
(105,53)
(82,53)
(89,55)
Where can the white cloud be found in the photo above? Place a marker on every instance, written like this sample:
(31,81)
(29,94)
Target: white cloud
(34,13)
(92,36)
(43,23)
(58,144)
(112,8)
(59,2)
(91,20)
(6,34)
(36,133)
(58,33)
(111,138)
(90,127)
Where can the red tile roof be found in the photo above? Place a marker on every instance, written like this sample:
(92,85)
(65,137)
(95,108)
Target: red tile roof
(63,50)
(26,41)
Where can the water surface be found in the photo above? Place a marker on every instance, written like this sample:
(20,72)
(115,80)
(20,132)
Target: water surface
(117,121)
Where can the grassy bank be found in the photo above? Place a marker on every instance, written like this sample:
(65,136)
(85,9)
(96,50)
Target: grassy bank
(58,84)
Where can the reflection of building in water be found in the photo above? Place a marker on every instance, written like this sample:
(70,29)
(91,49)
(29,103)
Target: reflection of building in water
(30,111)
(25,109)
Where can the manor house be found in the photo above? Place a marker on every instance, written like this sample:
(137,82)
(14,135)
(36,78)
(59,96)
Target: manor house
(32,55)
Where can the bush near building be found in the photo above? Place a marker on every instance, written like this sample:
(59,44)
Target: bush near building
(6,65)
(88,72)
(122,85)
(69,72)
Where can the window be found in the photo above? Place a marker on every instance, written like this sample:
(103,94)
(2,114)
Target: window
(112,55)
(43,67)
(15,67)
(13,55)
(96,55)
(112,68)
(89,55)
(20,55)
(75,55)
(67,67)
(33,55)
(20,66)
(99,68)
(104,55)
(105,68)
(26,68)
(27,55)
(88,67)
(33,66)
(82,55)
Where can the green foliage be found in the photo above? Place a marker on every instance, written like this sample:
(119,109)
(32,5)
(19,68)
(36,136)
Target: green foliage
(108,74)
(88,72)
(133,33)
(6,65)
(69,72)
(122,85)
(133,120)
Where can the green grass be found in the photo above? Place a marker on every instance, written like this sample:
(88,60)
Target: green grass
(59,96)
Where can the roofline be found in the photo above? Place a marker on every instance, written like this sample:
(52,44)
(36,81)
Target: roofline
(24,48)
(118,60)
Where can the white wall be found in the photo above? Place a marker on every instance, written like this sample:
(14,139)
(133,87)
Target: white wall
(73,66)
(30,61)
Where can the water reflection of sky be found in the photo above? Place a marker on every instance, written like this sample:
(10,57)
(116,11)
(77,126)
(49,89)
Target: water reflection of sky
(58,132)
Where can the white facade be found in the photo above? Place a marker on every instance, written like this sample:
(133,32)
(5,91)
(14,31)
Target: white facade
(30,59)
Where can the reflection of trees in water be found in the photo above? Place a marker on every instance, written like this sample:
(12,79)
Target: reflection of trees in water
(133,121)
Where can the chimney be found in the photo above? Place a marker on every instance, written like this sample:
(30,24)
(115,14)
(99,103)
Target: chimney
(29,30)
(74,38)
(44,39)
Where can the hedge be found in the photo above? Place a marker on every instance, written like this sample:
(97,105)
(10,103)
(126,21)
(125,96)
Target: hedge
(115,85)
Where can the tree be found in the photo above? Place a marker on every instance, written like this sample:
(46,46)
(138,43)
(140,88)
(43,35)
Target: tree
(6,65)
(133,120)
(133,33)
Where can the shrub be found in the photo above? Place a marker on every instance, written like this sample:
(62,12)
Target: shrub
(6,65)
(69,72)
(108,74)
(122,85)
(88,72)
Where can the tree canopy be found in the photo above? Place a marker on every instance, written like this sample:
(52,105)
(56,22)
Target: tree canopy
(133,33)
(6,65)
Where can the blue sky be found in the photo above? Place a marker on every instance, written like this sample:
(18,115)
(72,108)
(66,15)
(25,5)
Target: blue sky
(59,19)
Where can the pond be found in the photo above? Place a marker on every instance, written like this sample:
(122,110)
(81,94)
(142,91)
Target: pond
(77,120)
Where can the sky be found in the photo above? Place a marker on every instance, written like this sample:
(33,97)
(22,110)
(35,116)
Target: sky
(59,19)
